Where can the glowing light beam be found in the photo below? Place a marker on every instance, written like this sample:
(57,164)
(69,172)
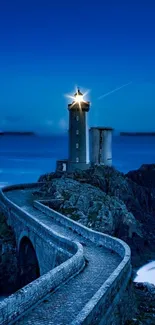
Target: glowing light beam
(78,98)
(113,91)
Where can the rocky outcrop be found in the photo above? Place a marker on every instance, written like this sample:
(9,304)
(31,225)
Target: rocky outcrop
(109,201)
(8,258)
(144,176)
(92,207)
(121,205)
(144,297)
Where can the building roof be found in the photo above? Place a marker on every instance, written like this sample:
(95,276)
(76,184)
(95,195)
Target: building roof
(108,128)
(78,93)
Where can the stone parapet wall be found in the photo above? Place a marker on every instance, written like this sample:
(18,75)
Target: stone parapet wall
(12,210)
(115,244)
(25,298)
(99,309)
(21,186)
(31,294)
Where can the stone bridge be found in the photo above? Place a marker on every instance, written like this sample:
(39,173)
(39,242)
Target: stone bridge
(69,274)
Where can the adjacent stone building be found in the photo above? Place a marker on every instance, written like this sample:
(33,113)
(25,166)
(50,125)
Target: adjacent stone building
(101,146)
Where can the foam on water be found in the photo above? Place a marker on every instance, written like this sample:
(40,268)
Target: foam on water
(146,273)
(2,184)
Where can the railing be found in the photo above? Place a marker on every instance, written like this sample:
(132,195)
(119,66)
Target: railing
(23,299)
(107,296)
(101,304)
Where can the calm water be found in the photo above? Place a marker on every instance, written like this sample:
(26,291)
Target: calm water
(25,158)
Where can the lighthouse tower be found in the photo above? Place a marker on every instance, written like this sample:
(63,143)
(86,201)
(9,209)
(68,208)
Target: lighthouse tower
(78,133)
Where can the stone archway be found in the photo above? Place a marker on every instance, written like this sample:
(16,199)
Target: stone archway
(28,262)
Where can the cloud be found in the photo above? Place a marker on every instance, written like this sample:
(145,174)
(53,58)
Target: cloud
(49,122)
(9,120)
(63,124)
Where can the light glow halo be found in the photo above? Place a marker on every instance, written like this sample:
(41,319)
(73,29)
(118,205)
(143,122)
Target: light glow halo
(77,98)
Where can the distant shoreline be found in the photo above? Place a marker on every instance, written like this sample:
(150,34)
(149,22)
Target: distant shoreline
(16,133)
(137,133)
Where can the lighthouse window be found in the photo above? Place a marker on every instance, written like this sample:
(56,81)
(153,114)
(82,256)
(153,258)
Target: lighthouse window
(77,118)
(77,132)
(64,167)
(77,145)
(77,159)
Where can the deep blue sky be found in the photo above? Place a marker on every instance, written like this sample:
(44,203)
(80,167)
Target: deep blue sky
(48,47)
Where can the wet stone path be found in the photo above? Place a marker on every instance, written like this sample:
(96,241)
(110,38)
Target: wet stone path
(62,306)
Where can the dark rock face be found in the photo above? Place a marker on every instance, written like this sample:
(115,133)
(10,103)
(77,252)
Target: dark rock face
(91,206)
(144,176)
(111,202)
(145,302)
(8,258)
(121,205)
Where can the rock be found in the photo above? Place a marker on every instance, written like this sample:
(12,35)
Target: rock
(8,258)
(121,205)
(100,210)
(144,176)
(111,202)
(145,299)
(57,195)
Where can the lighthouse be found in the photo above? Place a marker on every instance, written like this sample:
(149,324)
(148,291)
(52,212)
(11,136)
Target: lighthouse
(78,133)
(79,147)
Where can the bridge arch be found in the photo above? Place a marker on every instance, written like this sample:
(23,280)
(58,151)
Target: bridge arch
(28,262)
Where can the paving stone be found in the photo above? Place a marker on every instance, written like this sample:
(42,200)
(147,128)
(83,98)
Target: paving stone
(62,306)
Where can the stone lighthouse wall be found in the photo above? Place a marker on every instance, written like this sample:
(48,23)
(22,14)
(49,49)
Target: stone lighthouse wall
(78,144)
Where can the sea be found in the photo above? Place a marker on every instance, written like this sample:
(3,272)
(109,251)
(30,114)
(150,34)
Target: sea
(23,158)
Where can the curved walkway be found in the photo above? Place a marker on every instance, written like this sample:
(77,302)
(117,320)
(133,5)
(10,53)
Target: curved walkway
(63,305)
